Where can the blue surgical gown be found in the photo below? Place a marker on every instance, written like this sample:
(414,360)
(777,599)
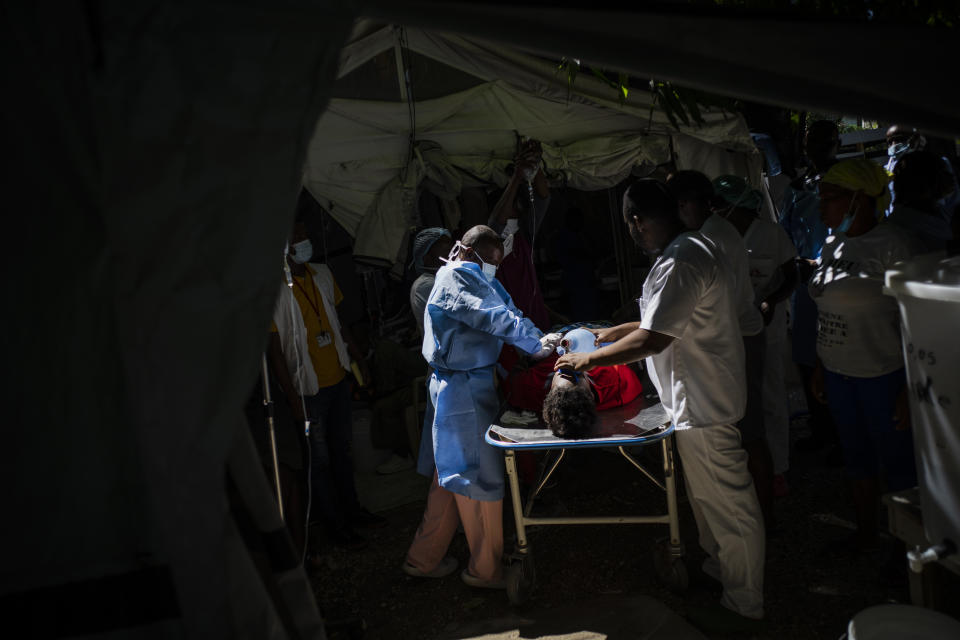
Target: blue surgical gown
(467,320)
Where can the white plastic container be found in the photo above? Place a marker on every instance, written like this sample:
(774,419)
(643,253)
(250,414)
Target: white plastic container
(900,621)
(927,289)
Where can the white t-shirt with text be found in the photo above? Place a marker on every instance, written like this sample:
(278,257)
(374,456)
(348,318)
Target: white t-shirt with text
(858,330)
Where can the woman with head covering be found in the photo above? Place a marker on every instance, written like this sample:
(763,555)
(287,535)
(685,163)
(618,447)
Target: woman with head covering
(860,371)
(773,275)
(429,247)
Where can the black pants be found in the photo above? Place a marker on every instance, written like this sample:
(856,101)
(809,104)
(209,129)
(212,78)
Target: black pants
(334,498)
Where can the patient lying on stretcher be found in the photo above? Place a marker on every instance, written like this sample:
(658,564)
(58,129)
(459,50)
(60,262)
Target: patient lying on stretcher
(567,401)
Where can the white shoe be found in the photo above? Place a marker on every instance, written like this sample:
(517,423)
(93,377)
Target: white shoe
(447,566)
(474,581)
(395,464)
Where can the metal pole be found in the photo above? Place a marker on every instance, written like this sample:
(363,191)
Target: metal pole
(271,432)
(670,479)
(401,71)
(511,464)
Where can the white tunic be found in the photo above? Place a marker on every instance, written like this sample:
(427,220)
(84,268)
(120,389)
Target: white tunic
(689,294)
(768,247)
(858,330)
(733,249)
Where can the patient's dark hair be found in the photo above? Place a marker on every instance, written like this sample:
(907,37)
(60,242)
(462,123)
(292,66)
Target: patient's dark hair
(570,412)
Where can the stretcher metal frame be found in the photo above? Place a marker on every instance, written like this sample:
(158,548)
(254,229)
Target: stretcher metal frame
(668,553)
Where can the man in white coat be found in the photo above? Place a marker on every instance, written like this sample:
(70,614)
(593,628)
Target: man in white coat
(690,336)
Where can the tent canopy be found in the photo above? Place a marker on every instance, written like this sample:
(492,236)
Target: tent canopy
(792,58)
(482,96)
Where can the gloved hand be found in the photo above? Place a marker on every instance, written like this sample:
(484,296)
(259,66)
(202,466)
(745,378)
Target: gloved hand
(548,343)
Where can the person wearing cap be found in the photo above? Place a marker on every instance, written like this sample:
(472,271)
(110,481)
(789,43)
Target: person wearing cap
(429,247)
(860,372)
(469,317)
(690,335)
(694,193)
(773,276)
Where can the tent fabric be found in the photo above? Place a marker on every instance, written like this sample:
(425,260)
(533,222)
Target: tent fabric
(384,233)
(882,71)
(590,140)
(157,153)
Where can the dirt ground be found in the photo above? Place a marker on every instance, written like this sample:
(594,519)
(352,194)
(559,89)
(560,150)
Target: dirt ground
(810,593)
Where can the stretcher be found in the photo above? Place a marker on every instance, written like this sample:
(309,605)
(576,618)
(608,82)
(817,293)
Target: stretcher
(633,425)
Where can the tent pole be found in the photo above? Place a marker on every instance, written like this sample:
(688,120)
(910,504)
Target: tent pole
(621,256)
(401,74)
(271,431)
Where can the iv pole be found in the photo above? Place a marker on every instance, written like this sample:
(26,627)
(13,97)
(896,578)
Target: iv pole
(271,431)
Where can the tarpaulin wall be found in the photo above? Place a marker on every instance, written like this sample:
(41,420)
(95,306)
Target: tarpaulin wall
(154,160)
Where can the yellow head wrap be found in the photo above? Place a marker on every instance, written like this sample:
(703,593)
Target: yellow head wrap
(861,175)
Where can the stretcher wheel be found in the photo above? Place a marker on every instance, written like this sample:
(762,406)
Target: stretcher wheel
(521,577)
(671,570)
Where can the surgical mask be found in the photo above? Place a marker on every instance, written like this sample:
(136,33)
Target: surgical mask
(898,149)
(302,251)
(489,270)
(848,217)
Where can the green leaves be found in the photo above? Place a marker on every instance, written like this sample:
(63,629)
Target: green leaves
(681,106)
(571,66)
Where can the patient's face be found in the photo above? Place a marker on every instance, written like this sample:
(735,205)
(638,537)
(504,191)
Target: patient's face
(565,378)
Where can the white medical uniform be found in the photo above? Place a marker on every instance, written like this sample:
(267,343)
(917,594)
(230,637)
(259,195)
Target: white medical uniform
(733,249)
(689,294)
(769,247)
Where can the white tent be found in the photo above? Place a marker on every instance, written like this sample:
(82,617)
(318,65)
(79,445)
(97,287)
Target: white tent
(357,163)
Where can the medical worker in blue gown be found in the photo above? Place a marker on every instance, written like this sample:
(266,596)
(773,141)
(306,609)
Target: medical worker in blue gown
(468,318)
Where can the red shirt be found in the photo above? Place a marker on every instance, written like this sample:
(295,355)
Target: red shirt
(519,277)
(615,386)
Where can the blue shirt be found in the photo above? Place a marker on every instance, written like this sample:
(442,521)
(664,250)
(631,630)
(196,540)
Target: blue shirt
(800,216)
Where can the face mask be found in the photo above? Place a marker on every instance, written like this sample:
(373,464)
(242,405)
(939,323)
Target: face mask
(897,149)
(489,270)
(302,251)
(848,217)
